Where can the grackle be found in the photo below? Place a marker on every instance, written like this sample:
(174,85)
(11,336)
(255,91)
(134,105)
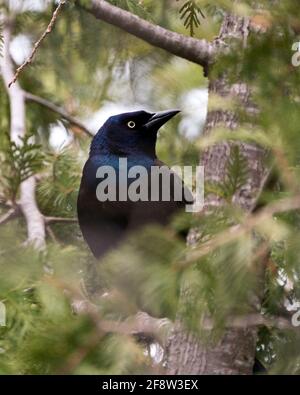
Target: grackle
(131,136)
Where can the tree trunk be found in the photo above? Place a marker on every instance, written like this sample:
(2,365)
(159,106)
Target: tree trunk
(235,352)
(34,219)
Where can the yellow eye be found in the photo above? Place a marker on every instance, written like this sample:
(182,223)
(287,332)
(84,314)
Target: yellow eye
(131,124)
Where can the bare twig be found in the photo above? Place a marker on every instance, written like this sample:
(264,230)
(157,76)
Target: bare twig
(51,220)
(38,43)
(9,215)
(51,234)
(15,211)
(53,107)
(252,320)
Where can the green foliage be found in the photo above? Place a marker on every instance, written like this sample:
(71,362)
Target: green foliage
(142,276)
(18,162)
(190,14)
(236,176)
(237,172)
(135,6)
(149,272)
(57,191)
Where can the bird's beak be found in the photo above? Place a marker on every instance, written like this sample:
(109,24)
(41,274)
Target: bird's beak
(158,119)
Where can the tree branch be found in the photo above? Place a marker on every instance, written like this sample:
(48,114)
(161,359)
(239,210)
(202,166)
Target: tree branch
(38,43)
(197,51)
(140,323)
(236,231)
(159,328)
(59,110)
(51,220)
(253,320)
(34,219)
(15,211)
(9,215)
(152,328)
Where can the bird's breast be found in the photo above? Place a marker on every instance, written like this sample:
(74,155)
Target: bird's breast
(120,171)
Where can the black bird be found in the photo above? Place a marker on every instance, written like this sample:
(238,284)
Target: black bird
(131,136)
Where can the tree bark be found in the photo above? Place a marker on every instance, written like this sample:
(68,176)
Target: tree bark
(34,219)
(235,352)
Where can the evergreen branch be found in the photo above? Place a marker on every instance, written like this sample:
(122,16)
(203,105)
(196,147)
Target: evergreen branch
(237,172)
(81,352)
(38,43)
(139,324)
(236,231)
(142,324)
(198,51)
(59,110)
(158,329)
(190,13)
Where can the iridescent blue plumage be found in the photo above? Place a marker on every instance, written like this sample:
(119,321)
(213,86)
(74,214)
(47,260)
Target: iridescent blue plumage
(131,136)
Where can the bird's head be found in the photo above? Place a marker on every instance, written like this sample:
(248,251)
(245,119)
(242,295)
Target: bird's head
(131,132)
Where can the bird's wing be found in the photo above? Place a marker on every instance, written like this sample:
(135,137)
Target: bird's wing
(187,196)
(102,224)
(161,211)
